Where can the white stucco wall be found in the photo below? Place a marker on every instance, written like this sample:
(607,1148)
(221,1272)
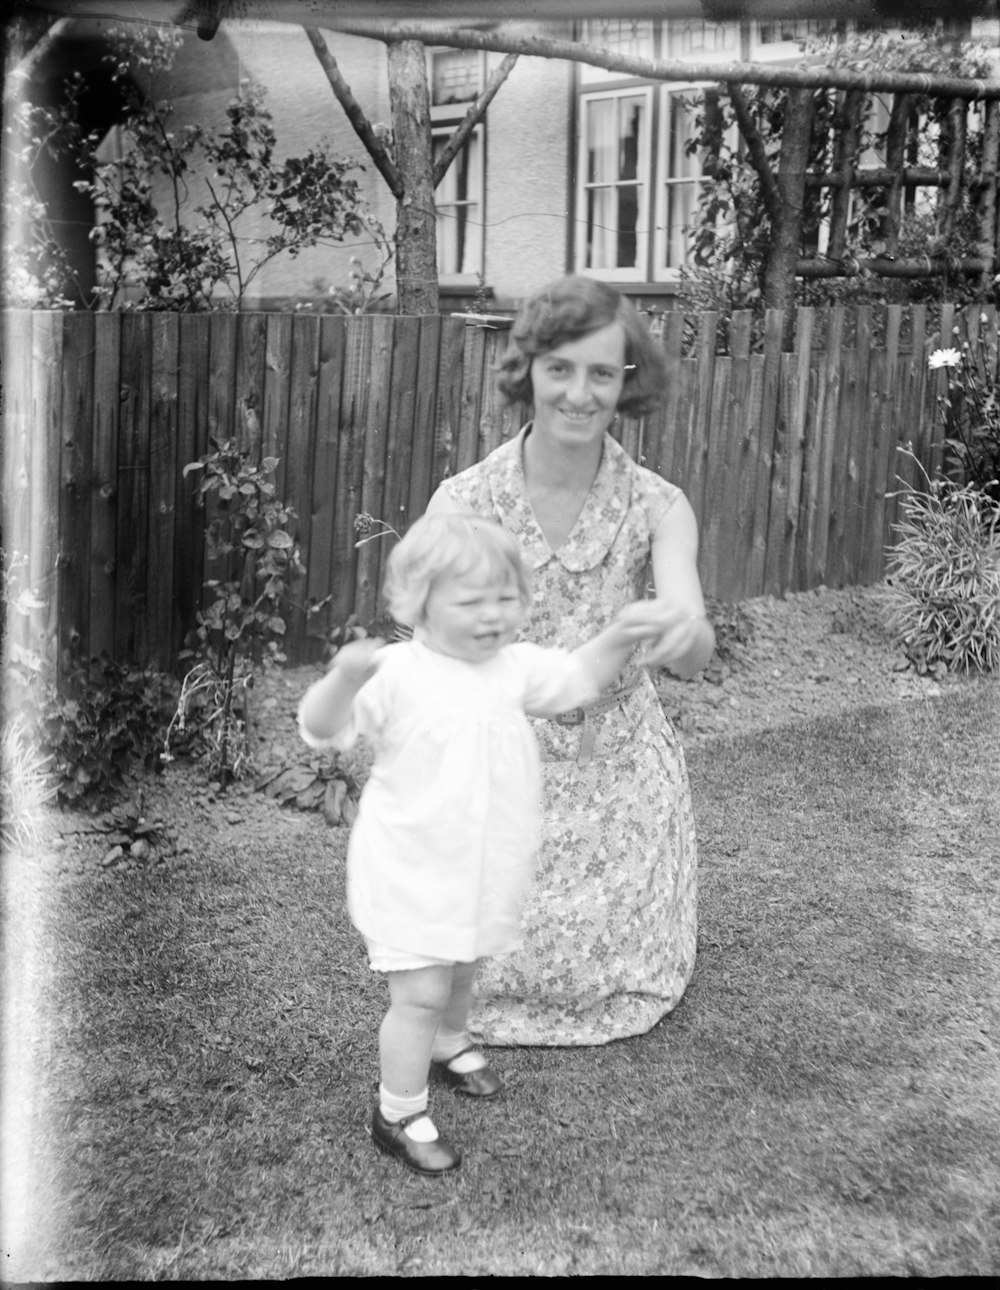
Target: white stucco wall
(527,181)
(527,149)
(305,112)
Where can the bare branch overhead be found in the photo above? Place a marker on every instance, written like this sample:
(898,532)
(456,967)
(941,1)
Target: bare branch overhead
(664,69)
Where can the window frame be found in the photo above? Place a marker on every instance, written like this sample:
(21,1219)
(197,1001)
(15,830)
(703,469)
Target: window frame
(639,273)
(472,276)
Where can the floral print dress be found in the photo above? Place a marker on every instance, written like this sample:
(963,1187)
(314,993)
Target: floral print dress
(609,925)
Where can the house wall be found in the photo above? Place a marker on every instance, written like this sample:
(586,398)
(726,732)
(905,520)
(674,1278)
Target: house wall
(527,199)
(279,57)
(528,196)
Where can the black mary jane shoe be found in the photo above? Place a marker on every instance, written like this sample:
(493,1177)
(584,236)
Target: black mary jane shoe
(436,1157)
(483,1082)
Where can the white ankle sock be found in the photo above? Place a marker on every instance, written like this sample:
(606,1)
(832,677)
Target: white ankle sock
(395,1108)
(449,1043)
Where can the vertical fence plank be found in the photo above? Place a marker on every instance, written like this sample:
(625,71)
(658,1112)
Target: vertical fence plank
(770,435)
(683,429)
(699,443)
(424,417)
(350,464)
(192,443)
(164,350)
(745,520)
(297,482)
(324,531)
(46,431)
(18,376)
(248,393)
(448,415)
(73,560)
(726,497)
(661,427)
(399,440)
(492,406)
(473,349)
(277,393)
(716,469)
(872,413)
(224,343)
(883,449)
(373,466)
(818,500)
(858,450)
(132,536)
(798,444)
(104,486)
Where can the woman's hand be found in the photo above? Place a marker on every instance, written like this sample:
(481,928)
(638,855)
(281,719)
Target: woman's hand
(678,639)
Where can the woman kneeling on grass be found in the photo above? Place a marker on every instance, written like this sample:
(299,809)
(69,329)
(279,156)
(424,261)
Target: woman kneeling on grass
(447,828)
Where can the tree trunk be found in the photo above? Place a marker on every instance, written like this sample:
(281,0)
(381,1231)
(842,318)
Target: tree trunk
(416,225)
(779,276)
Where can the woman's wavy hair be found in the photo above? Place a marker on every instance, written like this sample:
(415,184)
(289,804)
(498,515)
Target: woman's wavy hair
(450,545)
(568,310)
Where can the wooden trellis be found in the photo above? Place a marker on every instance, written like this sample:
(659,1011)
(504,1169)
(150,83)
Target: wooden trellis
(896,177)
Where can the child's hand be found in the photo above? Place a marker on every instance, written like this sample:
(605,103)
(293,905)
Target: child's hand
(357,661)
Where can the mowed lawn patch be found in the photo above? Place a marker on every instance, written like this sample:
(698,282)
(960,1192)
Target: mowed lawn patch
(199,1064)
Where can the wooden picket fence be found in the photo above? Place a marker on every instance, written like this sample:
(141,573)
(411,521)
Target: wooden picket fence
(789,458)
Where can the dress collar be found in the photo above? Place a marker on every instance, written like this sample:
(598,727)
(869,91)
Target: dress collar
(601,516)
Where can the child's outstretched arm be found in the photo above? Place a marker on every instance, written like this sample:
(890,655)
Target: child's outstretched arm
(325,707)
(608,652)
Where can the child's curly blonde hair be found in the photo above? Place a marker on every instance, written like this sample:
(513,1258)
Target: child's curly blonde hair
(449,545)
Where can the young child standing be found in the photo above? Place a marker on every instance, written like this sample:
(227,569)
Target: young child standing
(447,826)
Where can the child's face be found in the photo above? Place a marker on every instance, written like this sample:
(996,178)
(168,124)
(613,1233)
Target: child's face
(472,615)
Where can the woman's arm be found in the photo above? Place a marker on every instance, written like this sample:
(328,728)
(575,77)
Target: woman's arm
(325,707)
(685,639)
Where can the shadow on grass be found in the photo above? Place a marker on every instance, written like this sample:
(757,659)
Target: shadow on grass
(823,1102)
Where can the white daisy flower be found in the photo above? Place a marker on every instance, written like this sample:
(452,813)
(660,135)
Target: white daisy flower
(944,358)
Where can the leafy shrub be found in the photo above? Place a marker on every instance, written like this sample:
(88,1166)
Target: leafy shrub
(971,411)
(242,627)
(109,719)
(944,578)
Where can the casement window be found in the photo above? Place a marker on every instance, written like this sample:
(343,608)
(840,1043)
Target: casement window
(613,189)
(459,202)
(638,171)
(456,78)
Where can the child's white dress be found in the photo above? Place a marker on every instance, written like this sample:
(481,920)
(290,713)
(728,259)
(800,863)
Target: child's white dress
(448,824)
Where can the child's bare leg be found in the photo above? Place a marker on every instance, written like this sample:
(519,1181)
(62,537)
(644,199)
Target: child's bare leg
(400,1126)
(418,1002)
(465,1067)
(456,1015)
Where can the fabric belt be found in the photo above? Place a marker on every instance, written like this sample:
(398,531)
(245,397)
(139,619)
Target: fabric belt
(581,717)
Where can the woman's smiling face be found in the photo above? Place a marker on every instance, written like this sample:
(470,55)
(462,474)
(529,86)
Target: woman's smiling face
(577,385)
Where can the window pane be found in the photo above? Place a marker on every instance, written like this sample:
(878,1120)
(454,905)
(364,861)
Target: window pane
(455,76)
(628,151)
(615,154)
(601,141)
(459,211)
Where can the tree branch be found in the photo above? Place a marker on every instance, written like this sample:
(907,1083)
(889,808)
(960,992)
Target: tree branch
(756,152)
(355,114)
(472,118)
(663,69)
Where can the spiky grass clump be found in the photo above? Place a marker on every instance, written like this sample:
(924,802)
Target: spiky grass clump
(25,787)
(944,578)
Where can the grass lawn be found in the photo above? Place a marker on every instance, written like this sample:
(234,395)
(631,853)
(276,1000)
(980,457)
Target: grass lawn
(200,1076)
